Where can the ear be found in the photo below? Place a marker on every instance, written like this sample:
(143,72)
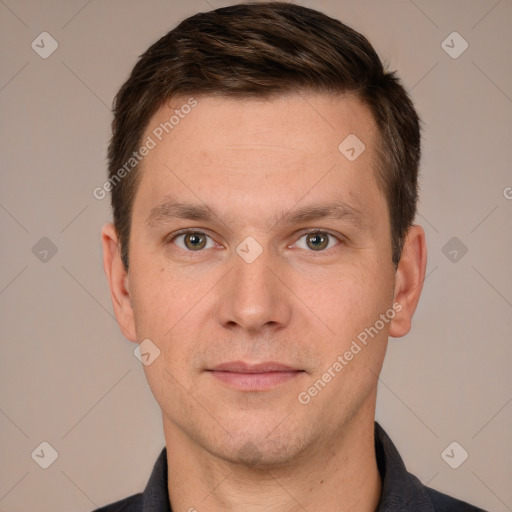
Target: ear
(409,278)
(117,278)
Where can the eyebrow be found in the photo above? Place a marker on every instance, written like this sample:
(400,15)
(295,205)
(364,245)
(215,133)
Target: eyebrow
(338,210)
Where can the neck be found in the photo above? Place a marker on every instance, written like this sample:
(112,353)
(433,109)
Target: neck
(338,475)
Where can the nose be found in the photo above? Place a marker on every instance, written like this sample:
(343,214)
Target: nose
(253,297)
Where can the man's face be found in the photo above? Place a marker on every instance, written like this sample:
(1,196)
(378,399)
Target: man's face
(249,285)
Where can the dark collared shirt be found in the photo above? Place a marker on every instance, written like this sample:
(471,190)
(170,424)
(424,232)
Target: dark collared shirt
(401,491)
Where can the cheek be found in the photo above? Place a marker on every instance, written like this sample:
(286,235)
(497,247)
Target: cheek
(347,299)
(150,301)
(160,293)
(168,308)
(164,306)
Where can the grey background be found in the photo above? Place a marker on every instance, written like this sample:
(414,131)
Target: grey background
(67,375)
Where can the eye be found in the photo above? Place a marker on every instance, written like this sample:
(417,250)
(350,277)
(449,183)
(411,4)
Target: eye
(317,241)
(193,241)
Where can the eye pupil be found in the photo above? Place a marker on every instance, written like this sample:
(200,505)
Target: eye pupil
(317,241)
(195,241)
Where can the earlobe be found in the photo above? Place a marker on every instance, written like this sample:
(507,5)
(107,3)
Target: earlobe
(118,280)
(410,275)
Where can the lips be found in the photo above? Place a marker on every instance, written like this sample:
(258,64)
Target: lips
(241,367)
(254,377)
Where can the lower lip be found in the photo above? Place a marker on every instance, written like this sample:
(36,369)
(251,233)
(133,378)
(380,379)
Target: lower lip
(254,381)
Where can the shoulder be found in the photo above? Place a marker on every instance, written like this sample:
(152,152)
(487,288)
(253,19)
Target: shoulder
(155,496)
(403,491)
(130,504)
(444,503)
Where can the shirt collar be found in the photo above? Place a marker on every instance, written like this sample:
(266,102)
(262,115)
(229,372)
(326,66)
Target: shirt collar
(400,489)
(155,497)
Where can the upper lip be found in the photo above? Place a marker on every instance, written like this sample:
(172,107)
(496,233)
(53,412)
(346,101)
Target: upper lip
(242,367)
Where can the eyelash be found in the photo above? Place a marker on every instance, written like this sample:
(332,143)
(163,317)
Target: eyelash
(183,232)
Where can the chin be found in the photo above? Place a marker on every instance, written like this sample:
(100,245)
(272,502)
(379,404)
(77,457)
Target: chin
(256,449)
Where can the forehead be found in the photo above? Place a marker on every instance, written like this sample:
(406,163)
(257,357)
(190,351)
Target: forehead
(320,122)
(296,145)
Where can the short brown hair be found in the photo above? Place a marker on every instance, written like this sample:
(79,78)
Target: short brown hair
(260,50)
